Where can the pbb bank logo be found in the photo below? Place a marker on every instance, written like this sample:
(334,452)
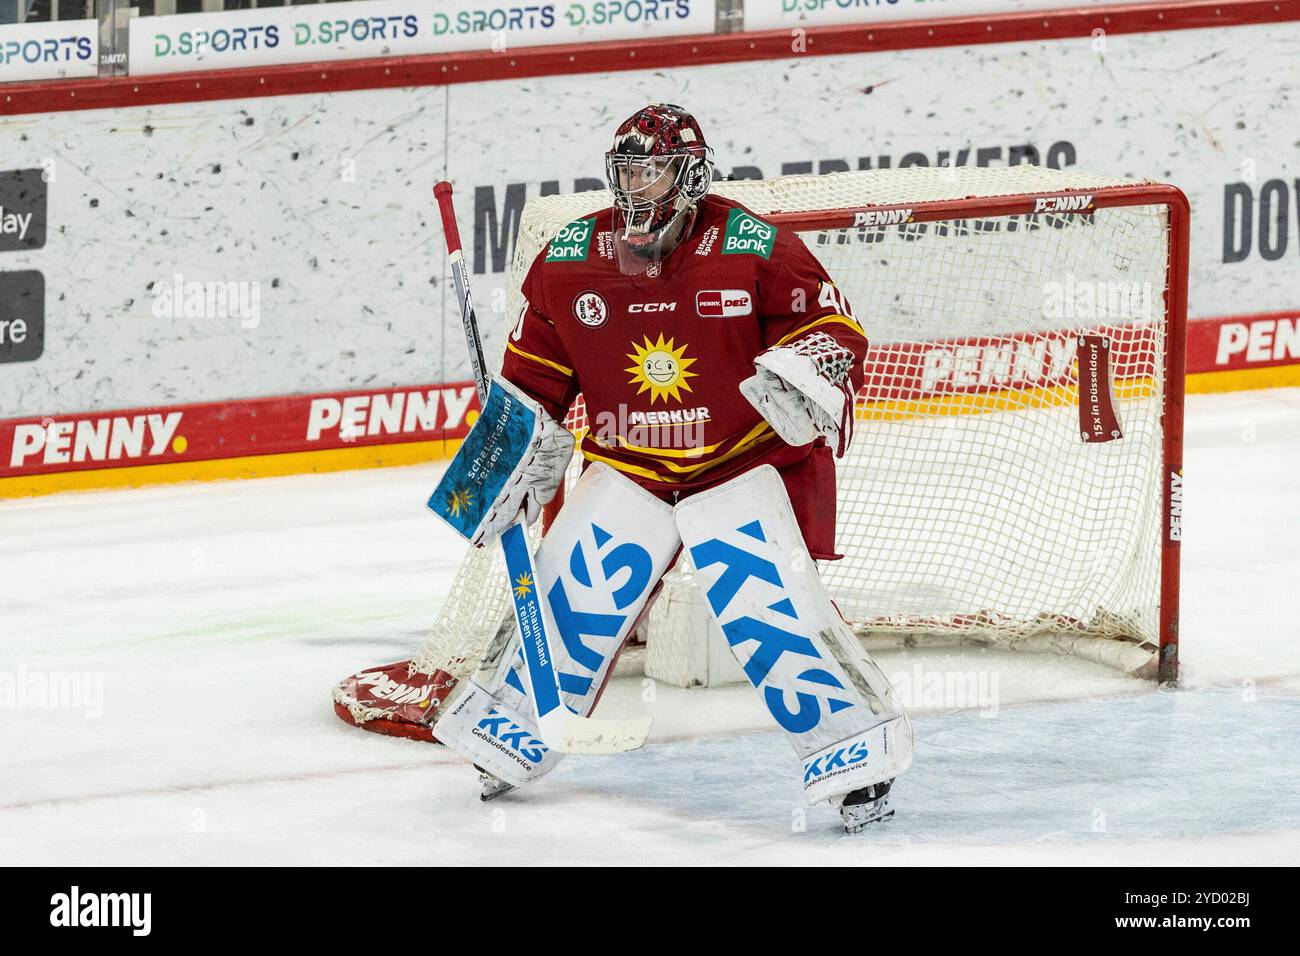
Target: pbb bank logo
(780,656)
(572,243)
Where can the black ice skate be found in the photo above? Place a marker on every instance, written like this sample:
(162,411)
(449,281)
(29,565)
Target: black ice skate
(868,805)
(492,787)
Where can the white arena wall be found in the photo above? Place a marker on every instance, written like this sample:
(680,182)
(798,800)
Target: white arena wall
(317,206)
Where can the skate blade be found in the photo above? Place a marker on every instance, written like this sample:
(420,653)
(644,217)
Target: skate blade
(490,795)
(492,787)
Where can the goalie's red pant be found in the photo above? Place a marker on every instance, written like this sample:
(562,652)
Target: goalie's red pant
(810,483)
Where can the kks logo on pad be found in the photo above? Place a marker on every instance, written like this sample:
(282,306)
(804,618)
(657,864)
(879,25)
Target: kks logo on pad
(723,303)
(501,728)
(840,758)
(780,643)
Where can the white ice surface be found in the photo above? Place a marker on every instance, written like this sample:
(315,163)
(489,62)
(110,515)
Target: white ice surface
(219,615)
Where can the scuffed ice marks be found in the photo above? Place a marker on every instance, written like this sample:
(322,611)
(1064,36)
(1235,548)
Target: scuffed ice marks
(1189,764)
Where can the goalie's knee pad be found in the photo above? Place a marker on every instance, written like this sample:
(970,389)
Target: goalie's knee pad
(808,668)
(596,568)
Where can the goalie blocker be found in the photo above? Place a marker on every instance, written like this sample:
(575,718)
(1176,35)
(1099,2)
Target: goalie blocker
(512,461)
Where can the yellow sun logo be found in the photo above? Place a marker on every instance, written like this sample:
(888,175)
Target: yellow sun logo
(660,369)
(523,585)
(458,502)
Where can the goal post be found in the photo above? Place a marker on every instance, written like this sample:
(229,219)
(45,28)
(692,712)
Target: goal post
(1015,476)
(1156,354)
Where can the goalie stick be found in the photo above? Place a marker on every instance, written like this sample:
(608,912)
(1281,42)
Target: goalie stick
(560,729)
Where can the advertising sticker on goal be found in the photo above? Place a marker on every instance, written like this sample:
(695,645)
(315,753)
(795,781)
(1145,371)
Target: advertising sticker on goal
(1098,421)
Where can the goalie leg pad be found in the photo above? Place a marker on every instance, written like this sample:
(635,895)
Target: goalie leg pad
(597,567)
(808,667)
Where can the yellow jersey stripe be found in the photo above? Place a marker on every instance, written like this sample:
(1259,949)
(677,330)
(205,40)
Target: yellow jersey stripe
(510,347)
(624,466)
(686,474)
(655,452)
(750,439)
(825,320)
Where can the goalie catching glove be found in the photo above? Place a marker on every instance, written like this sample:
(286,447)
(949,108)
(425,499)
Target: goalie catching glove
(804,390)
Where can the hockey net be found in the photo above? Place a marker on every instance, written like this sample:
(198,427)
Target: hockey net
(1015,473)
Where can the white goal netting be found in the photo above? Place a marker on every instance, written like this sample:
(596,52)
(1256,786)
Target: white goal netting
(969,508)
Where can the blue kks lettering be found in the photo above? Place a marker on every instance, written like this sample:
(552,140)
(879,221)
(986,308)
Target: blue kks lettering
(772,642)
(505,730)
(591,636)
(837,759)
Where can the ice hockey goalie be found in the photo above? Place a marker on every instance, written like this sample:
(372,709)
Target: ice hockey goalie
(718,363)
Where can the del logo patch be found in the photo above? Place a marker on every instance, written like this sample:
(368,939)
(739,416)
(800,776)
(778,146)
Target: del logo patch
(748,234)
(723,303)
(572,242)
(590,309)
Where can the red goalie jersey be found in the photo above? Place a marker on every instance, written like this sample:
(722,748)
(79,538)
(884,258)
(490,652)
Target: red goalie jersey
(659,360)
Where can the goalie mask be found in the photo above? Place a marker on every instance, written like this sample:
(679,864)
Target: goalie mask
(658,169)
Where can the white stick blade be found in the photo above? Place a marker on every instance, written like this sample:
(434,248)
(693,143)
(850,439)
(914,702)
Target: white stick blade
(587,735)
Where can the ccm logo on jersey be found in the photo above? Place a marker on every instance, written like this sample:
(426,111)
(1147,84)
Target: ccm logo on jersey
(652,307)
(1063,203)
(723,303)
(590,309)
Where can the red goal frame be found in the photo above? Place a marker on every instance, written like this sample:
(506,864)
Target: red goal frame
(1175,298)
